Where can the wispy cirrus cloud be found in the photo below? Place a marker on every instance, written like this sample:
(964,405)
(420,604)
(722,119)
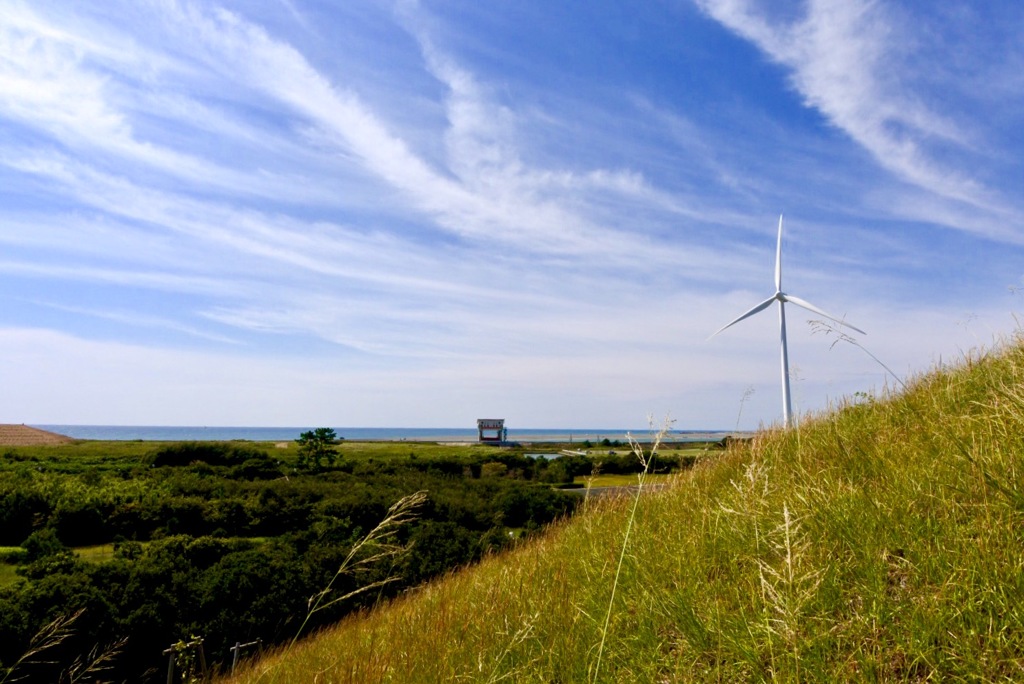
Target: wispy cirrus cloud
(128,106)
(538,211)
(853,62)
(134,319)
(483,193)
(148,279)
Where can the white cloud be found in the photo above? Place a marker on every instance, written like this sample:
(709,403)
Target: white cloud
(90,96)
(485,194)
(157,280)
(846,60)
(700,383)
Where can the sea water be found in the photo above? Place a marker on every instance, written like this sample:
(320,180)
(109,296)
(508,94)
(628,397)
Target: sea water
(178,433)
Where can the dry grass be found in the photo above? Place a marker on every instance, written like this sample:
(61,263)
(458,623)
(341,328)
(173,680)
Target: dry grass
(88,667)
(375,547)
(23,435)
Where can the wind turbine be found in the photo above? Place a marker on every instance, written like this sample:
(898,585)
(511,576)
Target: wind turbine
(781,297)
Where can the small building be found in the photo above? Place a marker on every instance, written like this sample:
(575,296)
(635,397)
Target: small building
(491,430)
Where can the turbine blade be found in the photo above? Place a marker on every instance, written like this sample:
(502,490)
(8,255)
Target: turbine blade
(778,259)
(810,307)
(760,307)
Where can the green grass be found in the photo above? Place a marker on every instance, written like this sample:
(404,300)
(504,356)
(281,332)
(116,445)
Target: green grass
(9,555)
(883,541)
(8,574)
(100,553)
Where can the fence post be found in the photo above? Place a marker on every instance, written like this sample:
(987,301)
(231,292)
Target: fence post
(196,645)
(202,658)
(237,649)
(170,664)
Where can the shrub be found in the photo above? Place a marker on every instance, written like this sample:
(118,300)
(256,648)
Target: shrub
(42,543)
(211,453)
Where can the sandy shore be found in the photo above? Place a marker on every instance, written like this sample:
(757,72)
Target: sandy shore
(23,435)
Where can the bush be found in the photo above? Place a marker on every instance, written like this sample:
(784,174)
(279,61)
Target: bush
(19,511)
(211,453)
(42,544)
(260,467)
(13,556)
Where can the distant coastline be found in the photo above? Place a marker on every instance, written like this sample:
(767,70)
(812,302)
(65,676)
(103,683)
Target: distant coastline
(158,433)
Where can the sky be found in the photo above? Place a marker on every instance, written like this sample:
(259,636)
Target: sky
(374,213)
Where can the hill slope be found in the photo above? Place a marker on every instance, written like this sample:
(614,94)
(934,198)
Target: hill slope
(23,435)
(882,541)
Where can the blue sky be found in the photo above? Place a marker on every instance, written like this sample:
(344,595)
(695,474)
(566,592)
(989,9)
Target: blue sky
(300,212)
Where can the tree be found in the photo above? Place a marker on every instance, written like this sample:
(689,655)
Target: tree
(42,544)
(315,446)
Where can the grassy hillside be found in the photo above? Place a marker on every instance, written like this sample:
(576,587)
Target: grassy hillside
(883,541)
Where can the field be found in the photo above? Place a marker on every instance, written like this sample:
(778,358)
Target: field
(9,557)
(161,541)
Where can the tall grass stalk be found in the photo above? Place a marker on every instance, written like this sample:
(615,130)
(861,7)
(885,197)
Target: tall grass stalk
(379,544)
(827,329)
(85,667)
(52,635)
(645,460)
(89,666)
(747,393)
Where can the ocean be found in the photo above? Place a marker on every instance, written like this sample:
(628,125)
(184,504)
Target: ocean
(166,433)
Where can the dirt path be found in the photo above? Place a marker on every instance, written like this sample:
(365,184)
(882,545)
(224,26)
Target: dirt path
(614,490)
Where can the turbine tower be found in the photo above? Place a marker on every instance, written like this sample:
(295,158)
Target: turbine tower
(781,297)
